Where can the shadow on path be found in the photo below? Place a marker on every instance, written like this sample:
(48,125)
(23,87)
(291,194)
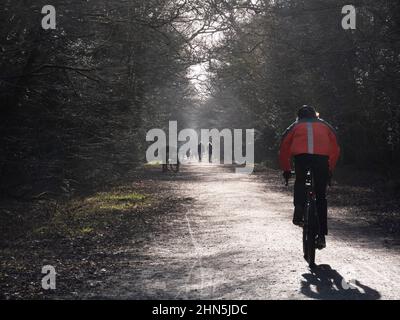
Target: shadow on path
(325,283)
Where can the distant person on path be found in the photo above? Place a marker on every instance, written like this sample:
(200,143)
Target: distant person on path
(200,151)
(313,144)
(210,150)
(168,160)
(165,164)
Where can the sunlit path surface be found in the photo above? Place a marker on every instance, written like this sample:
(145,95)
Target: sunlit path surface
(234,240)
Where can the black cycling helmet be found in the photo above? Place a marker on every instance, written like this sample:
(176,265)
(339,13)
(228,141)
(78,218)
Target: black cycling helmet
(306,112)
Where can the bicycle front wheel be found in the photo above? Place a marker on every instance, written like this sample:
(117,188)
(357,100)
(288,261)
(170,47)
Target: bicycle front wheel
(309,234)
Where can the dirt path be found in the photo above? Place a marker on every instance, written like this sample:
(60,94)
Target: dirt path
(234,240)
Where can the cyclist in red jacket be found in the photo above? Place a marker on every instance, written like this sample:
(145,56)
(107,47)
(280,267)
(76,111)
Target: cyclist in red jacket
(313,144)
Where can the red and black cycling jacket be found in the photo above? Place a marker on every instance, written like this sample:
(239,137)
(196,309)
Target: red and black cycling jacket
(309,136)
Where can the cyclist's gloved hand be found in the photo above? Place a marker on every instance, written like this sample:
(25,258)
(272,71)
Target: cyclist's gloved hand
(287,175)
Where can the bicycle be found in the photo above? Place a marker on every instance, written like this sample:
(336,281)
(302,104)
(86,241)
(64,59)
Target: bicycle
(173,167)
(311,226)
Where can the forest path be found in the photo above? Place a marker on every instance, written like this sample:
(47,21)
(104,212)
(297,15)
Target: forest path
(234,240)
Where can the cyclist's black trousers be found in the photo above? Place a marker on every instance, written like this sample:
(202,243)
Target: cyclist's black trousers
(320,168)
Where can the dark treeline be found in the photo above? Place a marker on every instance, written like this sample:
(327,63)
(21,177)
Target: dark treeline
(77,101)
(289,53)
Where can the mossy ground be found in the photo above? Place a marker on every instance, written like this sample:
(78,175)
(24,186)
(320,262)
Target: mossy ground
(79,236)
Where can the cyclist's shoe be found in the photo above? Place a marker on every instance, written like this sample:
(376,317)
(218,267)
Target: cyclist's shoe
(298,216)
(320,243)
(298,222)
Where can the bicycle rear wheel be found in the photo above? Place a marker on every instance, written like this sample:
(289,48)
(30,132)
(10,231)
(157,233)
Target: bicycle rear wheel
(174,167)
(309,234)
